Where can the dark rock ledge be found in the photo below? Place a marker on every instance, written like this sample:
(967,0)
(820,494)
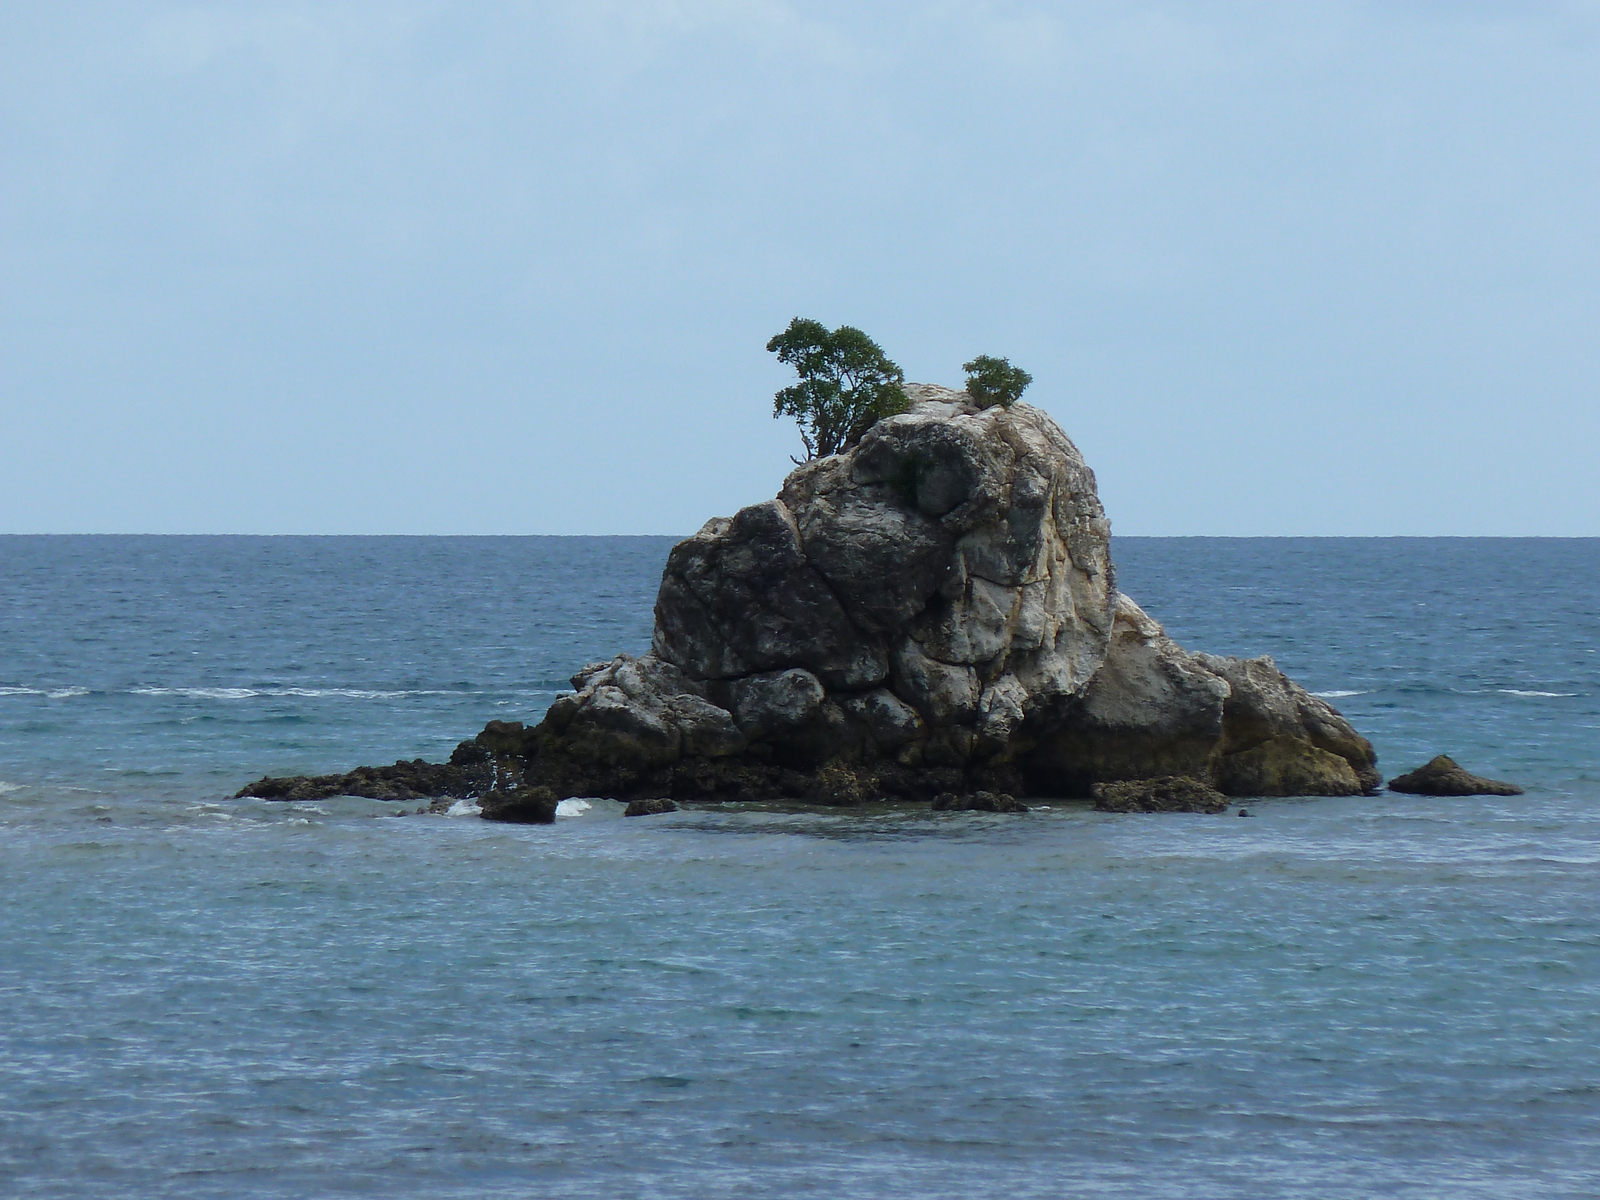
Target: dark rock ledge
(932,611)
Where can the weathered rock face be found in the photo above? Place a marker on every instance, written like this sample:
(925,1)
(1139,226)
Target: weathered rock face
(932,611)
(1154,709)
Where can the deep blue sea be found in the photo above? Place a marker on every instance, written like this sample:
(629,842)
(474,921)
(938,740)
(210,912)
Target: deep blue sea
(1336,998)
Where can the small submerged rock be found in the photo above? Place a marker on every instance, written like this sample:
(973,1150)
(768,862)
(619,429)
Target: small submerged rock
(1443,776)
(1170,793)
(650,808)
(995,802)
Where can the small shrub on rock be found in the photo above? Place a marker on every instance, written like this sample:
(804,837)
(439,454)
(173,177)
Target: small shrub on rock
(846,384)
(992,381)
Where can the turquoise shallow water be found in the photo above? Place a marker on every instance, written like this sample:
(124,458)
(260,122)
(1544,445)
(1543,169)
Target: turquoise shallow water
(1335,998)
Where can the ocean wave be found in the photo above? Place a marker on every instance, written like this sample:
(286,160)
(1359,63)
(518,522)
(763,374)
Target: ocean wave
(1552,695)
(573,808)
(9,787)
(1339,695)
(244,693)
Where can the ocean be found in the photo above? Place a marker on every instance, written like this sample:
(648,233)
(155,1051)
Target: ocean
(206,997)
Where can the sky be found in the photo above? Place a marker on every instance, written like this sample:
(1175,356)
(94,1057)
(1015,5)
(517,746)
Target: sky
(1278,268)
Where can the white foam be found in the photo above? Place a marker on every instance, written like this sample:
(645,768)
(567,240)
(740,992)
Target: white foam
(463,808)
(198,693)
(52,693)
(1338,695)
(21,691)
(66,693)
(9,787)
(1552,695)
(573,808)
(351,693)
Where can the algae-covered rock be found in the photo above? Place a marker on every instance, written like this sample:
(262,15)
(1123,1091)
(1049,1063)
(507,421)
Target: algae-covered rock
(995,802)
(1172,793)
(1443,776)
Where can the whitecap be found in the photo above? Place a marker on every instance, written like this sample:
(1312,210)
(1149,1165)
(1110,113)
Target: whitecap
(1339,695)
(573,808)
(67,693)
(197,693)
(1552,695)
(21,691)
(9,787)
(352,693)
(463,808)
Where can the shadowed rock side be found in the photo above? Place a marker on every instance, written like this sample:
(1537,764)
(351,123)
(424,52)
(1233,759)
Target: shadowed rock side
(932,611)
(1443,776)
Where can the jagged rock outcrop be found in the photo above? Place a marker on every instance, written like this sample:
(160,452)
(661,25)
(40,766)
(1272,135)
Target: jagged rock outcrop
(1443,776)
(932,611)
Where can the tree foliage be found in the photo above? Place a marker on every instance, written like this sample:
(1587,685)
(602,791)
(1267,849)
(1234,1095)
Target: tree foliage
(992,381)
(846,384)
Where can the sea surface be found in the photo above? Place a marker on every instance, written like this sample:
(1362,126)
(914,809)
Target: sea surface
(1333,998)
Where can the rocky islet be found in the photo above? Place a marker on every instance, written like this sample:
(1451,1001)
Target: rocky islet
(931,613)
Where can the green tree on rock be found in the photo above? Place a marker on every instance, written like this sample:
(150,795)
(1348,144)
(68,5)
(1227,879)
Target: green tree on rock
(992,381)
(846,384)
